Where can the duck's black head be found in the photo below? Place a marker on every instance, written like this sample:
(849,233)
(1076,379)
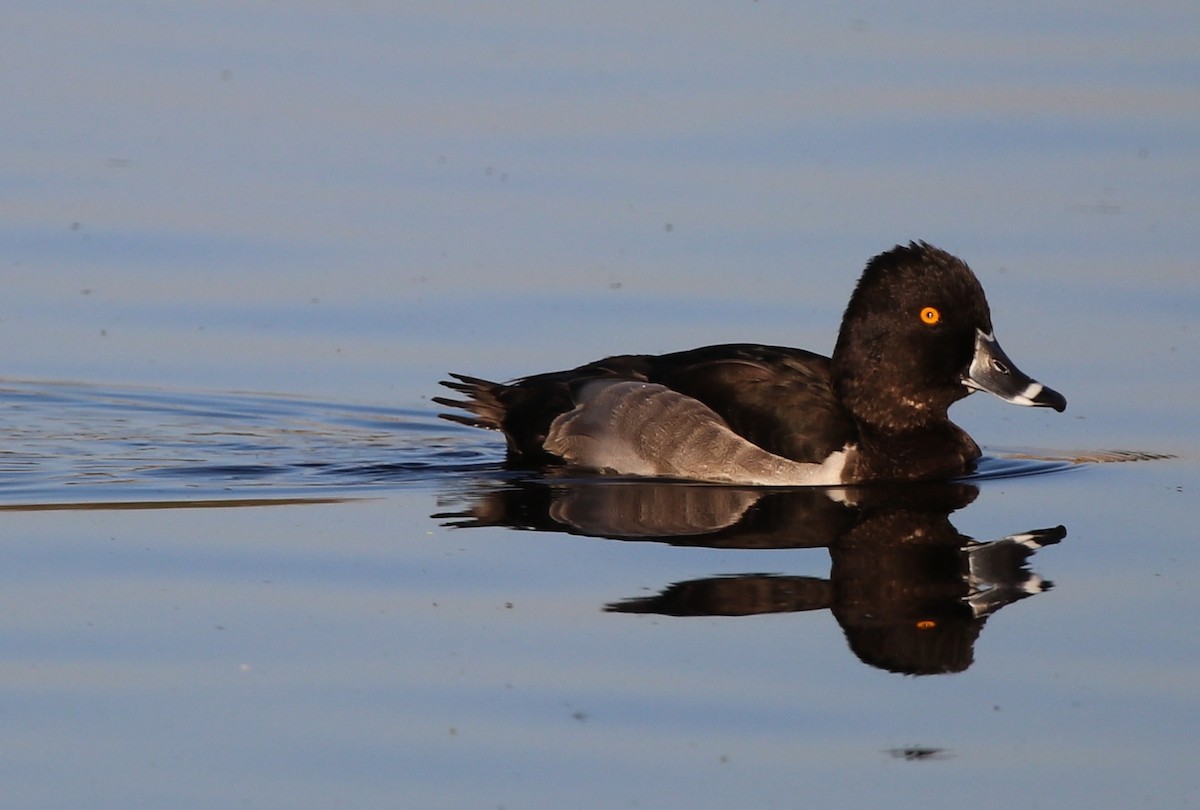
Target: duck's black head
(916,337)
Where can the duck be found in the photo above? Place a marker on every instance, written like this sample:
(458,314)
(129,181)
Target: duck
(916,337)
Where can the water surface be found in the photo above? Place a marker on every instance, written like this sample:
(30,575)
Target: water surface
(246,565)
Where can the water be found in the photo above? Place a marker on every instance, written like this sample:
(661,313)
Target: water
(245,564)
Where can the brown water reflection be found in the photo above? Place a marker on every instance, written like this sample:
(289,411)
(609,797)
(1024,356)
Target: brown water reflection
(910,592)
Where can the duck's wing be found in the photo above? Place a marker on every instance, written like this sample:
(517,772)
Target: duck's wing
(641,428)
(778,398)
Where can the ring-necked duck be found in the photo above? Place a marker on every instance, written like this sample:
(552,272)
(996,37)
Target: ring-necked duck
(916,337)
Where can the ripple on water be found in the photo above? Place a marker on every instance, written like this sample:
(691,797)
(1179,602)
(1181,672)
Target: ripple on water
(1013,462)
(68,443)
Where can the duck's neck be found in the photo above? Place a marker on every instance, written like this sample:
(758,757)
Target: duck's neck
(921,452)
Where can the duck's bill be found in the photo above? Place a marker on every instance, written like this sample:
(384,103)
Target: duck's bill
(992,371)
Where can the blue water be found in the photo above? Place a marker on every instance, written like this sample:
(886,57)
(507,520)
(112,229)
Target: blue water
(245,564)
(79,443)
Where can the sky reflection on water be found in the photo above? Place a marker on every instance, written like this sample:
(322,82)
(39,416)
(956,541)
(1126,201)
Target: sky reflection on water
(338,205)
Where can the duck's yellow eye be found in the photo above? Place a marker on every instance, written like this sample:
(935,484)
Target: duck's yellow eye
(926,624)
(930,316)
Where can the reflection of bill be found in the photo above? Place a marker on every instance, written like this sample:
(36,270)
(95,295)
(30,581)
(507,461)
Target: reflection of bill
(910,592)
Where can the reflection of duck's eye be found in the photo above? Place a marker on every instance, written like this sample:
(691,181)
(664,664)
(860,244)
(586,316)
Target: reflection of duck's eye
(930,316)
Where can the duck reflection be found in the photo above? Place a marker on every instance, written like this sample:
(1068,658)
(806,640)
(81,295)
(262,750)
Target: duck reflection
(910,592)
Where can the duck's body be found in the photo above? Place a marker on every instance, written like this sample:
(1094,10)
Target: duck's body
(916,337)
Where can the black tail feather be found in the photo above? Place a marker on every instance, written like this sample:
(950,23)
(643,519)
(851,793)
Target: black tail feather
(482,401)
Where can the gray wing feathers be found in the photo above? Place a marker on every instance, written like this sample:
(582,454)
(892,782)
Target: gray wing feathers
(638,428)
